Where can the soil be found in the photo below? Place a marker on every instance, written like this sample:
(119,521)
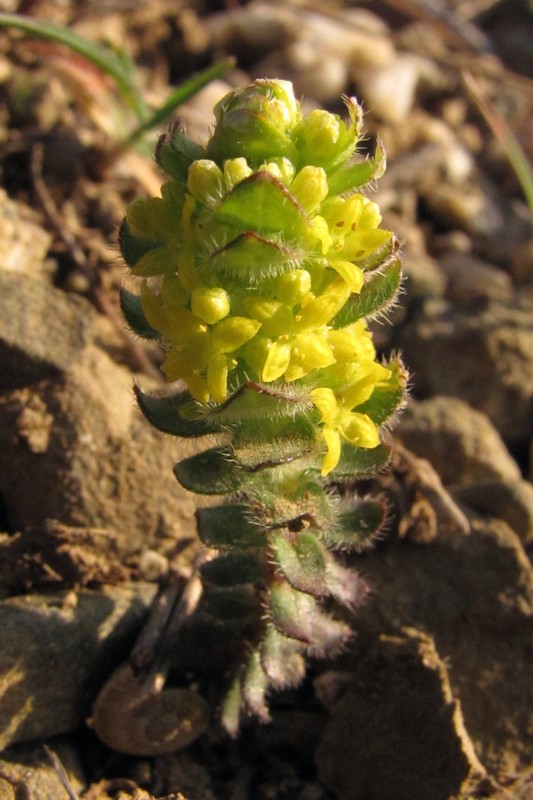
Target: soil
(433,700)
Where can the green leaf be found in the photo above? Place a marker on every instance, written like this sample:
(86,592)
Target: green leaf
(388,397)
(211,472)
(261,203)
(377,295)
(230,602)
(345,585)
(256,401)
(295,614)
(131,307)
(275,441)
(255,685)
(282,659)
(251,257)
(228,526)
(164,412)
(175,152)
(230,715)
(301,559)
(360,462)
(292,611)
(234,567)
(356,529)
(355,175)
(132,247)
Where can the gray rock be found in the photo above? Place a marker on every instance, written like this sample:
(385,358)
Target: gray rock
(480,352)
(42,329)
(469,277)
(56,651)
(460,443)
(509,500)
(398,710)
(76,449)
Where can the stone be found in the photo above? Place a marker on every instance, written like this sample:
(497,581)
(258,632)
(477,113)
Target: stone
(77,450)
(474,596)
(480,352)
(468,277)
(23,243)
(509,500)
(42,329)
(398,710)
(461,443)
(57,649)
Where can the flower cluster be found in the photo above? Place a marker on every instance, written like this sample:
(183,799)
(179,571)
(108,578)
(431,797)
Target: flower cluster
(255,247)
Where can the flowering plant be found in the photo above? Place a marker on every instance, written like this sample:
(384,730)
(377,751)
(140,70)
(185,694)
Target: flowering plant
(259,267)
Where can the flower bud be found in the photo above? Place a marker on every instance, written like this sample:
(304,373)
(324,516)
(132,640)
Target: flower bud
(256,122)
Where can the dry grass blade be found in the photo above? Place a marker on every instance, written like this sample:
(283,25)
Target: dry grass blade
(504,135)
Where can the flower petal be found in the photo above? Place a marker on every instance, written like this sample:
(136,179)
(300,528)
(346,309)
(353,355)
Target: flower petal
(331,459)
(278,358)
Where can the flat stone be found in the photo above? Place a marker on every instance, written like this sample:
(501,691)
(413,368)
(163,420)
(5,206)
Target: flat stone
(56,651)
(42,329)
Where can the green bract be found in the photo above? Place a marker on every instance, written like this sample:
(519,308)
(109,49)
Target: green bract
(259,266)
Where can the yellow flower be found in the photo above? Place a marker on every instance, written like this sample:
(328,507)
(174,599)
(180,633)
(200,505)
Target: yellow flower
(294,341)
(341,423)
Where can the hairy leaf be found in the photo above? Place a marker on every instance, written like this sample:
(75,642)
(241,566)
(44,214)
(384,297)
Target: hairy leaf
(301,559)
(228,526)
(376,296)
(211,472)
(132,309)
(282,659)
(164,412)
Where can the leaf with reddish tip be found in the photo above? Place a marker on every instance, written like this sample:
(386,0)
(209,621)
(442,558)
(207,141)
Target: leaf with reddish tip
(254,686)
(292,611)
(301,559)
(282,659)
(345,585)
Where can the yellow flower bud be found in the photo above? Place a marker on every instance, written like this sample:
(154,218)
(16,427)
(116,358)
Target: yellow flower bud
(211,305)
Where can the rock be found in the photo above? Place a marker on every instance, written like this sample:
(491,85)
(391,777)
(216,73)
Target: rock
(399,710)
(474,595)
(23,243)
(509,500)
(469,277)
(390,90)
(460,443)
(76,449)
(30,773)
(42,329)
(56,650)
(54,554)
(481,352)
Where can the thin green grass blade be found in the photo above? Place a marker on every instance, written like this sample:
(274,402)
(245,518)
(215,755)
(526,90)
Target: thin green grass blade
(179,96)
(118,68)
